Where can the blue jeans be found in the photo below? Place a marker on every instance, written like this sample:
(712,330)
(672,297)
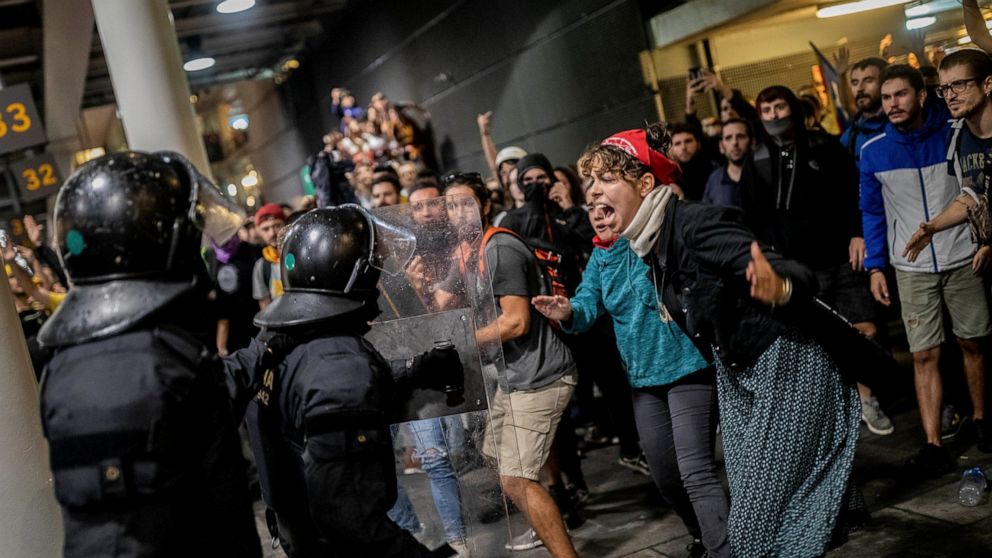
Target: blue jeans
(402,512)
(434,439)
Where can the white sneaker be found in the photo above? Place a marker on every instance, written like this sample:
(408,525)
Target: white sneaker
(875,419)
(526,541)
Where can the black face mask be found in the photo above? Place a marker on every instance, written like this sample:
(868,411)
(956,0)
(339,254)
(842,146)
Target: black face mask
(535,190)
(780,129)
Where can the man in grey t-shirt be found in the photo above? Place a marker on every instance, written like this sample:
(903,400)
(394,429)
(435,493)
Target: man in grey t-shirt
(540,373)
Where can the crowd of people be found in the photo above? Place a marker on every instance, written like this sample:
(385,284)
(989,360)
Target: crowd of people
(678,270)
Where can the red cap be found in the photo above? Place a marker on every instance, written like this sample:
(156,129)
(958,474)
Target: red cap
(269,211)
(635,144)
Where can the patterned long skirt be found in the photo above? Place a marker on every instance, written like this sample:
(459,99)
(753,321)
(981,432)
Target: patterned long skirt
(790,427)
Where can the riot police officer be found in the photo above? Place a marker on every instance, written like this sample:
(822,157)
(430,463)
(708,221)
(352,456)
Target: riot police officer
(143,446)
(319,424)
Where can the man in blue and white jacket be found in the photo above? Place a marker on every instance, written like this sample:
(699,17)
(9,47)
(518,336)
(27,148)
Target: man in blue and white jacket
(904,182)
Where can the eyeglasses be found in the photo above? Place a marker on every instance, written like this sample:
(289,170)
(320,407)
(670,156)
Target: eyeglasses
(957,86)
(462,177)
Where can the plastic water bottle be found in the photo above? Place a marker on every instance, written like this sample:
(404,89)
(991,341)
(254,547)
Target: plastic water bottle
(972,487)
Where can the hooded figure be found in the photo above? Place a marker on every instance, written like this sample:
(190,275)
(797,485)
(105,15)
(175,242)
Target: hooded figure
(544,224)
(804,198)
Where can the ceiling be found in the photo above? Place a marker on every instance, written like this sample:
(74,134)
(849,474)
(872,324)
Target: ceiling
(245,45)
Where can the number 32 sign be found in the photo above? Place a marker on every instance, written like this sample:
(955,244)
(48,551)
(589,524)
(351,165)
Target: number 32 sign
(20,125)
(37,177)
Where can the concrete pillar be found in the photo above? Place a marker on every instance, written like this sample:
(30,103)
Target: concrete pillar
(68,39)
(30,520)
(146,69)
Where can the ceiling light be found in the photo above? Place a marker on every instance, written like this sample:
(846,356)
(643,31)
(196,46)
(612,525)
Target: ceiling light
(232,190)
(250,201)
(856,7)
(920,22)
(235,6)
(249,181)
(239,122)
(197,64)
(932,7)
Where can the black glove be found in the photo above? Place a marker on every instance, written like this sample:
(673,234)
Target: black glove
(440,369)
(277,347)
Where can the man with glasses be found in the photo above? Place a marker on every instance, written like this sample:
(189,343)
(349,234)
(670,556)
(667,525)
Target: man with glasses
(903,182)
(966,83)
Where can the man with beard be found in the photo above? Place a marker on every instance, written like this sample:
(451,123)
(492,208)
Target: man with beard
(902,177)
(724,184)
(867,92)
(687,150)
(965,82)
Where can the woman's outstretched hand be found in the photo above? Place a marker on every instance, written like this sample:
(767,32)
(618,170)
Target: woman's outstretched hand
(553,307)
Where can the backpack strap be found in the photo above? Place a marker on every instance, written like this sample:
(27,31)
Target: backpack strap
(953,146)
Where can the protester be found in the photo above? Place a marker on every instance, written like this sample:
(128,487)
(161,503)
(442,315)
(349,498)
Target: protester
(696,164)
(892,202)
(540,373)
(704,262)
(866,91)
(266,281)
(726,183)
(804,202)
(674,393)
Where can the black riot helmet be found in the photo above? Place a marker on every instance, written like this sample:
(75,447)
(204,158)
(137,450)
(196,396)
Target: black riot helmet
(128,227)
(331,259)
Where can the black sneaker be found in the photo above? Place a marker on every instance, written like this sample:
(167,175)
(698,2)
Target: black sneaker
(982,436)
(931,463)
(696,549)
(951,423)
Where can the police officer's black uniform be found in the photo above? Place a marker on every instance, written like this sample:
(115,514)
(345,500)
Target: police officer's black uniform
(143,446)
(319,424)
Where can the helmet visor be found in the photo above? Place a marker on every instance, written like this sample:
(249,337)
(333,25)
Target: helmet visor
(393,241)
(217,217)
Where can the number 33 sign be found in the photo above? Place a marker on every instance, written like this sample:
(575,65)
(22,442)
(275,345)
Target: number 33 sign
(20,126)
(37,177)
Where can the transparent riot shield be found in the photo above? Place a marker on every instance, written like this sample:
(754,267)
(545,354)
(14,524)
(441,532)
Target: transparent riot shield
(451,490)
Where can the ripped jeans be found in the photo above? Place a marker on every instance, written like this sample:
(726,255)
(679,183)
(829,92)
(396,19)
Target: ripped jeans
(434,439)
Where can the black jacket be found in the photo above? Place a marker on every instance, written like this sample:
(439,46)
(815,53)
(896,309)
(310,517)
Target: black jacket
(319,429)
(144,450)
(803,199)
(545,225)
(699,262)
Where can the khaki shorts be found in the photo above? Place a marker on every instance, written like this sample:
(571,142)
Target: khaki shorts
(923,296)
(522,427)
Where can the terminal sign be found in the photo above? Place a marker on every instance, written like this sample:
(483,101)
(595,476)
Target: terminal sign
(37,177)
(20,125)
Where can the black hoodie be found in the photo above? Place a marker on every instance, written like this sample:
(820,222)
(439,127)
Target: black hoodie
(804,196)
(544,224)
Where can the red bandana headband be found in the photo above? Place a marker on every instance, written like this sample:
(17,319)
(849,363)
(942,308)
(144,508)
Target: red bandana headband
(635,144)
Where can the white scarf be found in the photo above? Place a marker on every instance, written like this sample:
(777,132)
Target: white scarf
(643,230)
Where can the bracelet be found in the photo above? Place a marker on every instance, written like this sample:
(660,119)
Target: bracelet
(786,291)
(873,271)
(786,294)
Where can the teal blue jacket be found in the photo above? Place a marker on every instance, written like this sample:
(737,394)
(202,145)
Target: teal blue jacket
(618,283)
